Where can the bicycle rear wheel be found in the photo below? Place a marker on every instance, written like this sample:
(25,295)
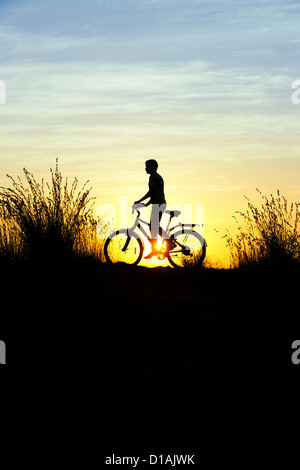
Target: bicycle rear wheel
(120,248)
(190,250)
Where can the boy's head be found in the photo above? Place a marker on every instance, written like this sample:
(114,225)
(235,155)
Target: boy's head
(151,166)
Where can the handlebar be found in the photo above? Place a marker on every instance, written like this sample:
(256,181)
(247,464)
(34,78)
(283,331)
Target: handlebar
(136,207)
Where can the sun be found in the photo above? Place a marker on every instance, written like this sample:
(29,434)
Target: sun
(154,262)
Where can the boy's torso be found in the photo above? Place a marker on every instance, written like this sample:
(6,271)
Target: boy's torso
(157,187)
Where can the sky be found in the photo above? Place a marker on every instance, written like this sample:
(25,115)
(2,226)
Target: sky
(202,86)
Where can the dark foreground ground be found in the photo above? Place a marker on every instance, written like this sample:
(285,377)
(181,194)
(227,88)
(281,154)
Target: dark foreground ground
(137,361)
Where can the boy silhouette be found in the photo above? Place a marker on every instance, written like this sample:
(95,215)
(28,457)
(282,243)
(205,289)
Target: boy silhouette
(158,201)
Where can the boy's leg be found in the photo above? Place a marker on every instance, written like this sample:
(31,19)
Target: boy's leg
(154,221)
(156,215)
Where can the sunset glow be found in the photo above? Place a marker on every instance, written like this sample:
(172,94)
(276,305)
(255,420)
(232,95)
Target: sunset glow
(204,87)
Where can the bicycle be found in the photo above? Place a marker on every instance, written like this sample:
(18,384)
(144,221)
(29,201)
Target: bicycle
(183,248)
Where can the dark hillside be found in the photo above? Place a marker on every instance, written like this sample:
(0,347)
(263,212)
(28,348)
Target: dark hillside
(125,358)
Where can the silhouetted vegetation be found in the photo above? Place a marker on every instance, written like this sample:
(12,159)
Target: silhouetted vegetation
(42,220)
(266,235)
(54,221)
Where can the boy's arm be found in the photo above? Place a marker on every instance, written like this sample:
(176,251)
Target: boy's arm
(149,194)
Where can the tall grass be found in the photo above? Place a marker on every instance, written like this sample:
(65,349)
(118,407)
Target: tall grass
(49,220)
(266,234)
(10,245)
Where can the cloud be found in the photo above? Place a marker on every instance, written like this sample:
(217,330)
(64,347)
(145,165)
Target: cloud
(102,116)
(154,91)
(166,74)
(226,33)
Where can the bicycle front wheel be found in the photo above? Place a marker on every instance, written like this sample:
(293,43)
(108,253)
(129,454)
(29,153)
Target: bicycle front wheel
(122,248)
(190,249)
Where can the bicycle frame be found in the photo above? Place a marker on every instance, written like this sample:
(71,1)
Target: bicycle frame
(175,240)
(137,224)
(166,234)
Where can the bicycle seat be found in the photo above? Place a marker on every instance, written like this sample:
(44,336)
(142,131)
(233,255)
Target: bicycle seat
(173,213)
